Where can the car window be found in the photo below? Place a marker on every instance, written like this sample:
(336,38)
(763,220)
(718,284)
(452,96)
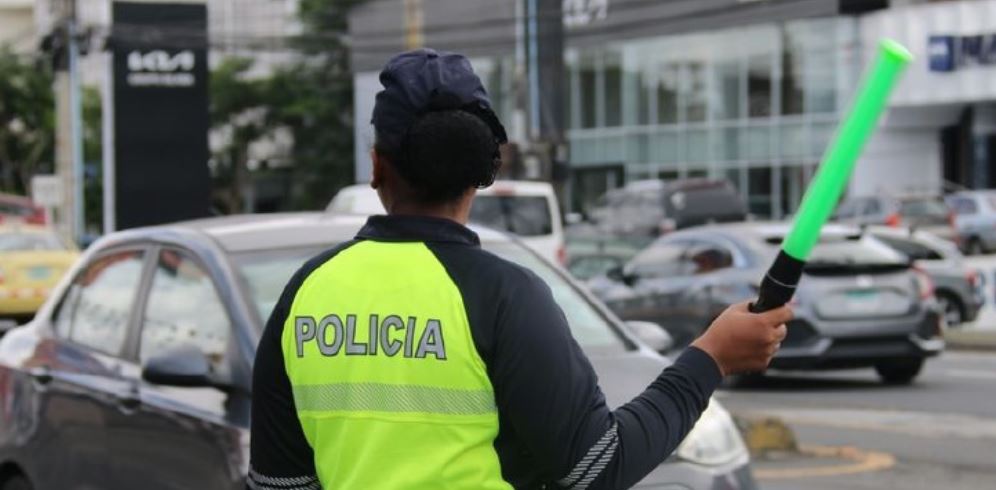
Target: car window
(924,208)
(521,215)
(872,207)
(846,209)
(662,259)
(266,272)
(585,268)
(705,257)
(592,330)
(963,205)
(910,248)
(28,242)
(96,307)
(183,308)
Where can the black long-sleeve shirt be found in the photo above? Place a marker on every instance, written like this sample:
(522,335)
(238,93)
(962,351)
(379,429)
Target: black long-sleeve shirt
(555,428)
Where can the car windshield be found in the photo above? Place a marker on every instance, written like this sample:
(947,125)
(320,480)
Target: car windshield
(521,215)
(924,208)
(267,272)
(27,242)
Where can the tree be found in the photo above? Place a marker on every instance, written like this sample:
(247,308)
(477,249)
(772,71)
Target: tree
(313,98)
(27,121)
(239,108)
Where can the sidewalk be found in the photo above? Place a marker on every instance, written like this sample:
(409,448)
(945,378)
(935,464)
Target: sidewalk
(971,338)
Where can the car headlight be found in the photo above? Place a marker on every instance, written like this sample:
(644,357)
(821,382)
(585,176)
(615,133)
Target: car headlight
(714,440)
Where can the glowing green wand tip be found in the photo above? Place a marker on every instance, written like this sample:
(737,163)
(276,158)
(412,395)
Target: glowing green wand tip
(834,172)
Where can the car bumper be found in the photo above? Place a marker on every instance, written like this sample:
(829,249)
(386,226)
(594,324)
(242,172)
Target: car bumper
(808,348)
(679,475)
(21,301)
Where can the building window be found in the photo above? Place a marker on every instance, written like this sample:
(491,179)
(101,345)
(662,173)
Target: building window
(613,90)
(694,92)
(759,70)
(759,191)
(588,73)
(667,94)
(728,78)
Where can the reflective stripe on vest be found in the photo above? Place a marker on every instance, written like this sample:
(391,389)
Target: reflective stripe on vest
(388,385)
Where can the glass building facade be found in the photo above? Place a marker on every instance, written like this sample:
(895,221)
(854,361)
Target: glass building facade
(756,105)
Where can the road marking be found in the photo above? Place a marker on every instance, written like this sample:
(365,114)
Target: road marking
(860,461)
(970,373)
(918,424)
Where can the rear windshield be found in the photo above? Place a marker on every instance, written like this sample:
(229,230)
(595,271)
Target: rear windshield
(521,215)
(848,250)
(704,205)
(26,242)
(925,208)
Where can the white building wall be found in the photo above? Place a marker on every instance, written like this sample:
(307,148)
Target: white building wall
(17,27)
(899,161)
(365,88)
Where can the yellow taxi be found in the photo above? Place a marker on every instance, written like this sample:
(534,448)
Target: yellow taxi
(32,260)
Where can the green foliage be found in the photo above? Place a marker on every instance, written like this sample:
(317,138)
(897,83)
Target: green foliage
(27,121)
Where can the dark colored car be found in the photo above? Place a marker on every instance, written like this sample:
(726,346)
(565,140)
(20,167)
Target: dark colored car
(927,213)
(859,303)
(956,285)
(18,209)
(136,373)
(655,207)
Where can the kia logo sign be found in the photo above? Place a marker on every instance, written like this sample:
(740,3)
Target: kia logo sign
(159,68)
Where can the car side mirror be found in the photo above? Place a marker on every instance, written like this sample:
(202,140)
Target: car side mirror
(183,365)
(652,334)
(618,274)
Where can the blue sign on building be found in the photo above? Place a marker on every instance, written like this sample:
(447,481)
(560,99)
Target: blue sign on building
(948,53)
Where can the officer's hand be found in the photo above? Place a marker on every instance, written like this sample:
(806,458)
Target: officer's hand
(743,342)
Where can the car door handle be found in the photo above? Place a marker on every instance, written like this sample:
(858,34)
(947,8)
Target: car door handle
(129,400)
(41,375)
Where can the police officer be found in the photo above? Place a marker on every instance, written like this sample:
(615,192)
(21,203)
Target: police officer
(410,358)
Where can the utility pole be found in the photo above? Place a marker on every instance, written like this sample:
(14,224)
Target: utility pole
(69,124)
(544,28)
(414,24)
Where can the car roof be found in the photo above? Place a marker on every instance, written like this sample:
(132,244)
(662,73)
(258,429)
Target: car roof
(764,230)
(517,187)
(249,232)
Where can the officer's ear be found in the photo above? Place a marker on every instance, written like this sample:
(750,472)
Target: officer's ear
(377,177)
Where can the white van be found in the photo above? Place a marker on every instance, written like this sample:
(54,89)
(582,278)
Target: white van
(528,210)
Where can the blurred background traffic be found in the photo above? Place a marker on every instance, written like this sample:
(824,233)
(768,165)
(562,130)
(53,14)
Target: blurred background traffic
(165,167)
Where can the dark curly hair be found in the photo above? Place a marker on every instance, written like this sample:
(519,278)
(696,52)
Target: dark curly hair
(443,154)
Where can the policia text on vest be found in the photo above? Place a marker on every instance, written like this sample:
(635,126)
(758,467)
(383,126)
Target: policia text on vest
(389,337)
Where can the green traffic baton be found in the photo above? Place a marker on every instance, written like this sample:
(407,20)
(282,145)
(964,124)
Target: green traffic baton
(824,191)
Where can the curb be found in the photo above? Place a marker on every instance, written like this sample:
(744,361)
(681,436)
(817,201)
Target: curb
(764,435)
(984,340)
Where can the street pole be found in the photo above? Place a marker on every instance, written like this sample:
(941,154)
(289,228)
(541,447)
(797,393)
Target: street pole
(414,21)
(76,124)
(107,138)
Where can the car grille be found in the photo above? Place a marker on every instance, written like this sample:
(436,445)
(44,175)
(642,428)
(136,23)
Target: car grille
(800,333)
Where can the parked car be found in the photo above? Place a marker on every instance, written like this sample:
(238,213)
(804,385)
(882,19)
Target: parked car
(928,213)
(975,220)
(19,209)
(32,260)
(655,207)
(956,285)
(527,209)
(859,303)
(136,373)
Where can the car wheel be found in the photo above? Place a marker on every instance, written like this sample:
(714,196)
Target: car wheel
(899,372)
(951,308)
(16,482)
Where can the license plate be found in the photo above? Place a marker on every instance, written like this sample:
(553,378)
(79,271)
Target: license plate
(39,273)
(863,301)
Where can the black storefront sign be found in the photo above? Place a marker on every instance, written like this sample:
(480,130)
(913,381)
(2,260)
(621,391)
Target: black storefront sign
(160,112)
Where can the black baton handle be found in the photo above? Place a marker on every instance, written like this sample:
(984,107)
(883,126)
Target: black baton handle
(779,283)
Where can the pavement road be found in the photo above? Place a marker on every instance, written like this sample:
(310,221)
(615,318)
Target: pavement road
(940,431)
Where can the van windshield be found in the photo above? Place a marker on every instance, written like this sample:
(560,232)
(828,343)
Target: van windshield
(522,215)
